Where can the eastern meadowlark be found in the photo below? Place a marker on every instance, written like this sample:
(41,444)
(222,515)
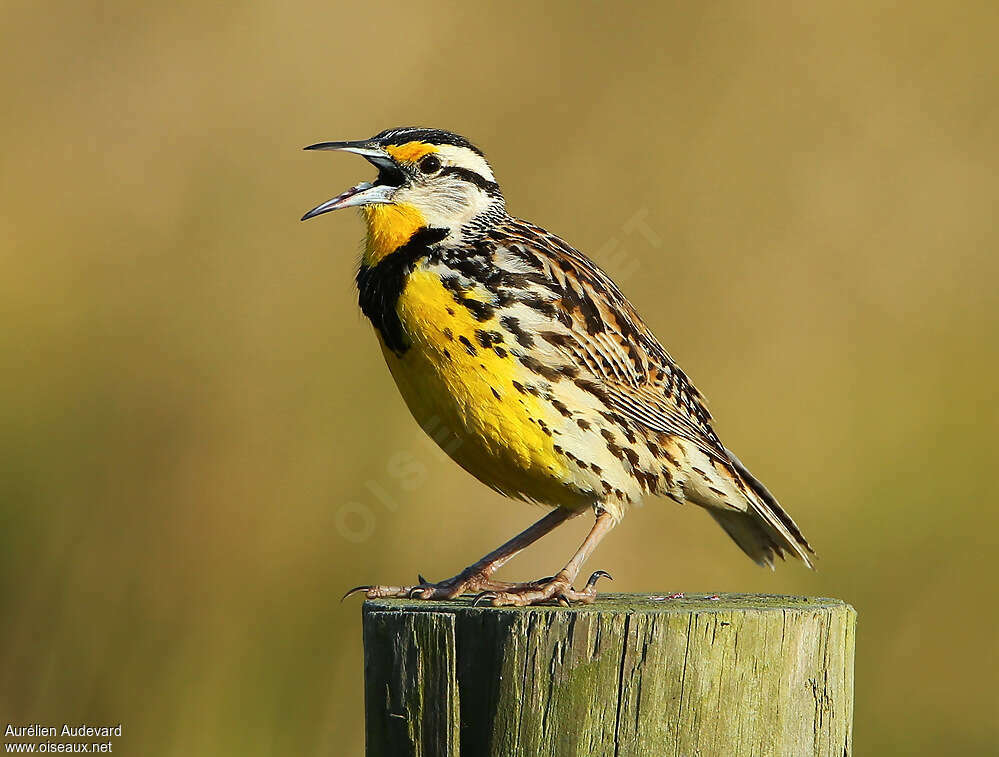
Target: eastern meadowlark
(552,388)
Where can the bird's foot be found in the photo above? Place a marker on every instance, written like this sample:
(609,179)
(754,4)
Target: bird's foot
(466,582)
(555,589)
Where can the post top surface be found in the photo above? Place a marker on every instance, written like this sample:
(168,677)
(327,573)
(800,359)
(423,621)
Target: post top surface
(627,603)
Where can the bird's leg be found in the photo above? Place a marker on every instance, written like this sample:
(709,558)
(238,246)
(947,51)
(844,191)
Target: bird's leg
(477,577)
(558,588)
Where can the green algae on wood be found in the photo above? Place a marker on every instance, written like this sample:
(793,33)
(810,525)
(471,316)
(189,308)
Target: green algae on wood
(632,674)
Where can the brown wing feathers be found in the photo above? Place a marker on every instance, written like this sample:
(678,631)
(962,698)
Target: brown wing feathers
(623,362)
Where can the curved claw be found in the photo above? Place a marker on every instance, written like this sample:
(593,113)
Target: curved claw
(562,600)
(416,592)
(486,595)
(421,579)
(354,591)
(597,575)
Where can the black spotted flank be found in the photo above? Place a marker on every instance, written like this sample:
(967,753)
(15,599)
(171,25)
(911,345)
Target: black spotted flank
(403,134)
(488,338)
(512,325)
(481,311)
(561,407)
(469,347)
(594,388)
(536,366)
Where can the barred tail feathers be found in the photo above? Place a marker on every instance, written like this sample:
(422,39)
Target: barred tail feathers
(764,530)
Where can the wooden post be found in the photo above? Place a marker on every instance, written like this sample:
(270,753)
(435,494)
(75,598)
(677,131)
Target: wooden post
(633,674)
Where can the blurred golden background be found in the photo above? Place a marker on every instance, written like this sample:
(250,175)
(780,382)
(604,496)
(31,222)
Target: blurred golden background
(201,446)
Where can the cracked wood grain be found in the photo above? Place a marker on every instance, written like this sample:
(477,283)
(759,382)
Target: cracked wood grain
(630,675)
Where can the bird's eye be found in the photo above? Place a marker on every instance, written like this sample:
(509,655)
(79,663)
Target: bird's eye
(430,164)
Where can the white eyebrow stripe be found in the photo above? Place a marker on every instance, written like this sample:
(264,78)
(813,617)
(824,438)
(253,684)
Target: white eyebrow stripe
(465,158)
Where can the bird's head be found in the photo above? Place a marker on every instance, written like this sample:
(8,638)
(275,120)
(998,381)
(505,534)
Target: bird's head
(426,178)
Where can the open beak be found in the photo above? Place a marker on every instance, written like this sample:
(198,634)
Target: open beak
(390,178)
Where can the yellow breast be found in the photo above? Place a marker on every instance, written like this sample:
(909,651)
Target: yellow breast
(455,375)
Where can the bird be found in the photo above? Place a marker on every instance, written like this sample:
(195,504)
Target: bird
(539,376)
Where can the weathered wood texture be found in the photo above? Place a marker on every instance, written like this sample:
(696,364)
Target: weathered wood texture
(630,675)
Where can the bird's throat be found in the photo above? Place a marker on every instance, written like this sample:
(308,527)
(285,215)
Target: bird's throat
(379,286)
(389,228)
